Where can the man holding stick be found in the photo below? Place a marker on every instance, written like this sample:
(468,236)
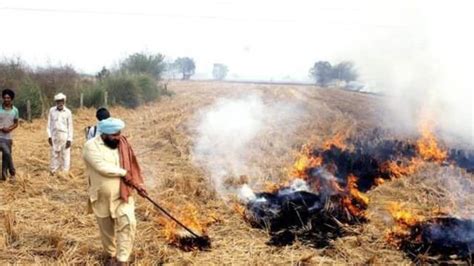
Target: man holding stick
(112,166)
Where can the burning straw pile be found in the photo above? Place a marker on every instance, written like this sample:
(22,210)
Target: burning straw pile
(435,239)
(324,196)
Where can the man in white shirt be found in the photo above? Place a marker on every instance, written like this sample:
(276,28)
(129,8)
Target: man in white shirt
(60,132)
(101,114)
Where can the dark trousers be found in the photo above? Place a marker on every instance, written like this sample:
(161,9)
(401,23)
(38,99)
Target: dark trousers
(7,160)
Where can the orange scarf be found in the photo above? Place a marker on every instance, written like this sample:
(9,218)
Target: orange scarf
(128,161)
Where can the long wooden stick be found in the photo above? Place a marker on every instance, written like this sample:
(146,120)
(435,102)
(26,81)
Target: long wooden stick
(167,213)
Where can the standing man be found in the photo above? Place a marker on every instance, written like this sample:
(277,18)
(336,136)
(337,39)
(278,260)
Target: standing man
(60,132)
(111,165)
(8,122)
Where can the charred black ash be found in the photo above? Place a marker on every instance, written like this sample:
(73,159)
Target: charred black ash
(367,156)
(366,160)
(289,215)
(442,238)
(320,213)
(284,210)
(187,242)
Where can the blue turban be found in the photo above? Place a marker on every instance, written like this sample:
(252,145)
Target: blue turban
(110,126)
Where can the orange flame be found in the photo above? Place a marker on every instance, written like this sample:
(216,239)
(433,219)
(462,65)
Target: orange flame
(397,169)
(355,201)
(354,192)
(427,146)
(304,161)
(402,216)
(404,220)
(173,233)
(339,141)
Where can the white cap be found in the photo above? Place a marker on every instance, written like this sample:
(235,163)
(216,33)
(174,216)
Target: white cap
(59,97)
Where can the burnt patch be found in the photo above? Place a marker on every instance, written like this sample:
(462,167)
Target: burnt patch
(440,239)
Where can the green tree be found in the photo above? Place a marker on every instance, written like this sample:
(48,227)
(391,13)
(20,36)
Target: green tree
(220,71)
(321,72)
(186,66)
(123,90)
(141,63)
(12,72)
(54,79)
(345,71)
(102,74)
(29,91)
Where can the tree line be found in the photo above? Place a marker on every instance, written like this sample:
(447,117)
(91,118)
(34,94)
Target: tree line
(324,73)
(134,81)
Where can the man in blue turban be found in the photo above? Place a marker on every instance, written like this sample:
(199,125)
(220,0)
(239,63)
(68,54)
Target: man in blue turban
(106,170)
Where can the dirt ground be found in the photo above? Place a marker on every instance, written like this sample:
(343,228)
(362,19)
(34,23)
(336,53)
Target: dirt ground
(43,218)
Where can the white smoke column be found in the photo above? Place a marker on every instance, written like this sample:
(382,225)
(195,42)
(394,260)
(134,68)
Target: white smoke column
(436,80)
(227,130)
(421,58)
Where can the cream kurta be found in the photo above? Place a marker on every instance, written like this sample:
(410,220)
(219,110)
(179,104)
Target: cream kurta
(115,217)
(104,171)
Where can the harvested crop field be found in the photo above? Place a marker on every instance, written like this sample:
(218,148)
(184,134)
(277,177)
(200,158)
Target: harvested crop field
(43,219)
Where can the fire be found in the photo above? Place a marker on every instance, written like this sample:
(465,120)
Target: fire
(352,199)
(354,192)
(339,141)
(176,235)
(355,201)
(427,146)
(403,217)
(431,239)
(305,161)
(398,169)
(404,220)
(427,149)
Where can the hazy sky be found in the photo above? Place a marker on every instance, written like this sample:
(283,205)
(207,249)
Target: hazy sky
(256,39)
(421,50)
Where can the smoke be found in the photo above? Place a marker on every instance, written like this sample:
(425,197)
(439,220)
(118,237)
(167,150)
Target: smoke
(232,131)
(246,194)
(424,66)
(459,191)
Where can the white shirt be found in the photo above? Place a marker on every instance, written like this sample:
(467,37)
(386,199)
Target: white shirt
(60,122)
(92,132)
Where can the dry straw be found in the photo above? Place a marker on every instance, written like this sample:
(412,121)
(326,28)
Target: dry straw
(44,220)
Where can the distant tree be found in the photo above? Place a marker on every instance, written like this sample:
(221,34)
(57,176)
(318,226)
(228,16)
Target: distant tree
(104,73)
(321,72)
(142,63)
(345,71)
(220,71)
(54,79)
(12,72)
(186,66)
